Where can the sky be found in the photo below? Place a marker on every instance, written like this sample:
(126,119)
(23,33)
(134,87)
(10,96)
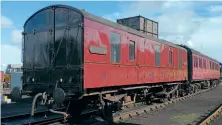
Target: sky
(196,24)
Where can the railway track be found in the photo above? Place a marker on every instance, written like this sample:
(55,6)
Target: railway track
(141,110)
(155,107)
(189,112)
(212,116)
(118,117)
(20,113)
(137,110)
(40,118)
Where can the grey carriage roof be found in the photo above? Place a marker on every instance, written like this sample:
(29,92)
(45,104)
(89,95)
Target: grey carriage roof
(117,26)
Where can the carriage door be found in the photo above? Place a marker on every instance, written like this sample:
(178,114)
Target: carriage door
(68,37)
(68,44)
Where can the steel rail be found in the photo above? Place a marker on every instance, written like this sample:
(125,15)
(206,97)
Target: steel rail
(6,119)
(211,116)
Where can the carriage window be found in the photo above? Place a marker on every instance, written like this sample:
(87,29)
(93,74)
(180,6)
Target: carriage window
(200,66)
(41,20)
(204,64)
(157,55)
(170,58)
(115,47)
(180,59)
(132,50)
(214,66)
(201,63)
(195,61)
(210,65)
(61,17)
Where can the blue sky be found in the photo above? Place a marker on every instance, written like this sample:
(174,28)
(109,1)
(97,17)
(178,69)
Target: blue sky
(197,24)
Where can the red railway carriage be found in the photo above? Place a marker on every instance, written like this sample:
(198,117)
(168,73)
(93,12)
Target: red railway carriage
(115,55)
(72,56)
(201,67)
(81,51)
(204,68)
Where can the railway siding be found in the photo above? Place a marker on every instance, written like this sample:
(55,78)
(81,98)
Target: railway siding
(186,112)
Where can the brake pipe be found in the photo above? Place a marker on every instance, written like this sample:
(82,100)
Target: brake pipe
(34,102)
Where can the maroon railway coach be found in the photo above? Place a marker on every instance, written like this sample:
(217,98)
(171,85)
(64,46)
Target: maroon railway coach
(69,54)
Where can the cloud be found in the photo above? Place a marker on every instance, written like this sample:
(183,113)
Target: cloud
(10,54)
(16,36)
(181,22)
(190,43)
(6,22)
(216,8)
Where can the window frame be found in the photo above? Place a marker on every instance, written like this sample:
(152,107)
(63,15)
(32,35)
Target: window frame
(213,66)
(199,62)
(170,57)
(157,55)
(180,59)
(115,58)
(134,50)
(210,65)
(195,61)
